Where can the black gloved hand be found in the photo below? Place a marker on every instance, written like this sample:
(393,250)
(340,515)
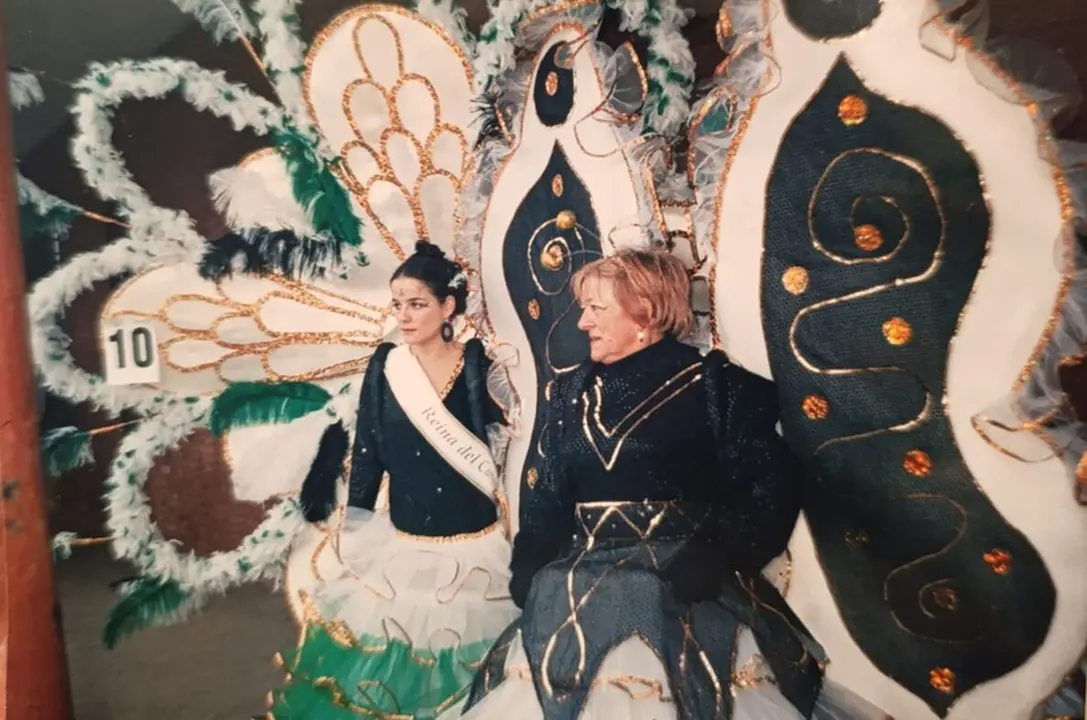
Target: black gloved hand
(318,495)
(520,583)
(695,574)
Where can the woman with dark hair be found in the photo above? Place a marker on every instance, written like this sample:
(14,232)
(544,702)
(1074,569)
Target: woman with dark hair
(664,494)
(424,585)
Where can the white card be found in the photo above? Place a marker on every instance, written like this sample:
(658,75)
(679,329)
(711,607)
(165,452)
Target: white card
(130,353)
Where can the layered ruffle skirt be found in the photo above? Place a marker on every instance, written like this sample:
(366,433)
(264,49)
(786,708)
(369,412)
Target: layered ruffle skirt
(400,627)
(602,638)
(633,684)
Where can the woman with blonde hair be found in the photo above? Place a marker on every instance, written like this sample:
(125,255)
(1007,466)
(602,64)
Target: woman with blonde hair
(665,492)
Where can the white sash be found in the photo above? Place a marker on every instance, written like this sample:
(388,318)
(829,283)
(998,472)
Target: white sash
(466,453)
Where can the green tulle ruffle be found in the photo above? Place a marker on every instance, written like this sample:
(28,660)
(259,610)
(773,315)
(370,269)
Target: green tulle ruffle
(332,679)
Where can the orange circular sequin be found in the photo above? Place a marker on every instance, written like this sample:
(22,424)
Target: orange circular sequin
(852,110)
(868,237)
(815,407)
(551,84)
(795,280)
(552,256)
(999,560)
(557,185)
(566,220)
(534,309)
(917,463)
(897,331)
(942,679)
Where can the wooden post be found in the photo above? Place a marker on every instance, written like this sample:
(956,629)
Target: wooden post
(33,669)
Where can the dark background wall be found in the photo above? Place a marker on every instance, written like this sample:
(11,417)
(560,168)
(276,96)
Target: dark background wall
(171,149)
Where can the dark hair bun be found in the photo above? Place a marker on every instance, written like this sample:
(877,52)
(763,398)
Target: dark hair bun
(430,265)
(429,250)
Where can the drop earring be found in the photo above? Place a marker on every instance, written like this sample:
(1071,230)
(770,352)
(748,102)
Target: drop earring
(447,331)
(641,336)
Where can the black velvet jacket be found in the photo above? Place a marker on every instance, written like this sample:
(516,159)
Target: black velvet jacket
(664,424)
(664,491)
(426,495)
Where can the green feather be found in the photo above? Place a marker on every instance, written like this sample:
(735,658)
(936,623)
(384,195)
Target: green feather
(65,449)
(41,213)
(147,600)
(718,119)
(316,189)
(245,404)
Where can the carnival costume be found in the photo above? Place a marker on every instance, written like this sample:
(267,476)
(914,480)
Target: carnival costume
(423,588)
(639,561)
(868,203)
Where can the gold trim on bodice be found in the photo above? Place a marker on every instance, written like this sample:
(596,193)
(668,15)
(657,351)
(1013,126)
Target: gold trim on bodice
(639,414)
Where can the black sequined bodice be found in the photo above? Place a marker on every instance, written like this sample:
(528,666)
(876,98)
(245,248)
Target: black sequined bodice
(664,424)
(638,429)
(427,496)
(664,491)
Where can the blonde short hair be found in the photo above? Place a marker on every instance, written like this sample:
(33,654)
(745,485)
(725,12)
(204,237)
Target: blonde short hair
(652,286)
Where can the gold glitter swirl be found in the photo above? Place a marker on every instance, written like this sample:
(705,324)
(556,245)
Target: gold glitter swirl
(360,188)
(753,673)
(552,256)
(474,535)
(452,379)
(909,162)
(946,598)
(795,280)
(368,332)
(256,156)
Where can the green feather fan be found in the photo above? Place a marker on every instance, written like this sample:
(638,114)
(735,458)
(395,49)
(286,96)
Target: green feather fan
(245,404)
(316,189)
(65,449)
(146,602)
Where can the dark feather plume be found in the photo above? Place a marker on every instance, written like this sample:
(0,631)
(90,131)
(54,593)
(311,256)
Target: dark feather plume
(263,252)
(486,111)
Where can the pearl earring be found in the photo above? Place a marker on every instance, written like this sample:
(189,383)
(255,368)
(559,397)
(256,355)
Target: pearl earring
(641,336)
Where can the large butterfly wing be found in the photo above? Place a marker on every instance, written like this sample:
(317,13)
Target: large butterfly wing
(400,121)
(873,218)
(568,188)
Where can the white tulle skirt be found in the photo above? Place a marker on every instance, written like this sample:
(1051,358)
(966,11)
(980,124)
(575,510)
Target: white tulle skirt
(394,625)
(430,593)
(632,685)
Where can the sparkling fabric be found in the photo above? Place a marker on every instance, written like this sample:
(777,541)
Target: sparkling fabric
(860,359)
(427,496)
(712,442)
(645,459)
